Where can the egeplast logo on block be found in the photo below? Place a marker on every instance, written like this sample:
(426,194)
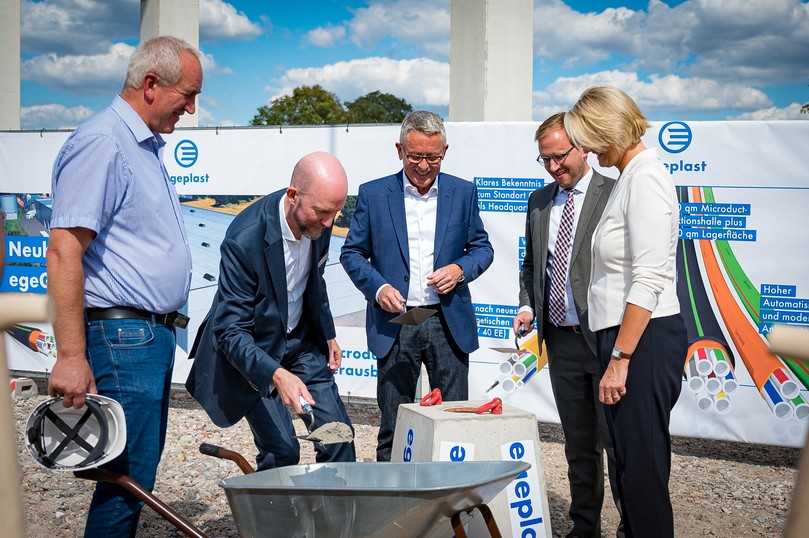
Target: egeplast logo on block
(186,154)
(675,137)
(407,454)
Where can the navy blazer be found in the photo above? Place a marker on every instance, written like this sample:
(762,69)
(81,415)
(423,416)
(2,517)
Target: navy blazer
(243,338)
(376,252)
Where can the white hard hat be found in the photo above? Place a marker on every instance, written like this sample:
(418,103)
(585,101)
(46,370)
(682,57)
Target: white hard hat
(68,439)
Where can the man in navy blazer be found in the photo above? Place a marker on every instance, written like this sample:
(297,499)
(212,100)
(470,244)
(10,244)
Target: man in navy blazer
(416,239)
(269,337)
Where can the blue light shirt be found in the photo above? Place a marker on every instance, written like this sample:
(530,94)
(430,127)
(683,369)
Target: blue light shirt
(109,177)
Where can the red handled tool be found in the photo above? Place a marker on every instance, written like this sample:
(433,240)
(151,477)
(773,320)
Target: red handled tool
(495,407)
(431,398)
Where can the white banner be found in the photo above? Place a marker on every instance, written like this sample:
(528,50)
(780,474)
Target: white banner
(742,261)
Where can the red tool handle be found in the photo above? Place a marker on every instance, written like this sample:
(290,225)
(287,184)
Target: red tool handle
(495,407)
(431,398)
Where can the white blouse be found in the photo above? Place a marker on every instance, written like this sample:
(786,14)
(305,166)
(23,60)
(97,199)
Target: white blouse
(634,246)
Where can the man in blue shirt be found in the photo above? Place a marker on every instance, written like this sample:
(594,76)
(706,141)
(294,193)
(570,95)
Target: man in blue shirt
(119,265)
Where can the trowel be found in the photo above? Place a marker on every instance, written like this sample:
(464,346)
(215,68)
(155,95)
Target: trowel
(327,434)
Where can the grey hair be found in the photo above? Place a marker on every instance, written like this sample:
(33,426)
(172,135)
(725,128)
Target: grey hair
(160,56)
(425,122)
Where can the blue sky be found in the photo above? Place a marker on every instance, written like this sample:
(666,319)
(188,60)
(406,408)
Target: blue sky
(680,59)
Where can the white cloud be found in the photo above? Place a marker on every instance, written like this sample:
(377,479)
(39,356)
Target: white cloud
(220,20)
(749,41)
(790,112)
(561,33)
(662,92)
(94,72)
(53,116)
(325,36)
(420,81)
(87,71)
(77,26)
(67,27)
(424,23)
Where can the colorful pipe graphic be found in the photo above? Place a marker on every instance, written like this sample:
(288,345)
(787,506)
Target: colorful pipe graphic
(778,405)
(713,385)
(801,407)
(722,403)
(695,381)
(729,384)
(34,339)
(754,352)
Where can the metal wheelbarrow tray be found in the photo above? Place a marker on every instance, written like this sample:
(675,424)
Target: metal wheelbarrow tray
(365,500)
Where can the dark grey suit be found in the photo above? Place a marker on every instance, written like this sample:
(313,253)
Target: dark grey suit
(573,366)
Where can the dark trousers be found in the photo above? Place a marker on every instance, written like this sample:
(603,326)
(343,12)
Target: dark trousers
(447,367)
(270,420)
(575,374)
(639,424)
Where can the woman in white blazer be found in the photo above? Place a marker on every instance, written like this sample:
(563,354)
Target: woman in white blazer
(632,303)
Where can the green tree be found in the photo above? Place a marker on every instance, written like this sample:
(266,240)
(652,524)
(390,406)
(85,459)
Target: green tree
(377,107)
(308,105)
(343,220)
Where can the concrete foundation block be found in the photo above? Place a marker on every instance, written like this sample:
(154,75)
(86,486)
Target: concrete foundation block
(433,434)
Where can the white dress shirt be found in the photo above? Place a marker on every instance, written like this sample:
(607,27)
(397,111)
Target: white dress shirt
(555,218)
(420,214)
(635,245)
(297,257)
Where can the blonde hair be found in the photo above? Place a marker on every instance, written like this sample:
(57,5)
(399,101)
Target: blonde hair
(604,117)
(557,121)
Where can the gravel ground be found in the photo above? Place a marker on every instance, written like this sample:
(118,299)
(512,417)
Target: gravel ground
(718,488)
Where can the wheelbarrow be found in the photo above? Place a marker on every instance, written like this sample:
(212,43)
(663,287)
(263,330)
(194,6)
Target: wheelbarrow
(347,500)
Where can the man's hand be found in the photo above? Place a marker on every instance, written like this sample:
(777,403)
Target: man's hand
(522,323)
(290,387)
(391,300)
(73,379)
(613,384)
(445,278)
(335,355)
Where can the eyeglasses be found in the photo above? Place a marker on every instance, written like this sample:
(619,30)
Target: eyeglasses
(416,158)
(558,159)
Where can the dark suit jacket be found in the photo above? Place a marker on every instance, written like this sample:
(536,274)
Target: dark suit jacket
(533,274)
(243,338)
(376,252)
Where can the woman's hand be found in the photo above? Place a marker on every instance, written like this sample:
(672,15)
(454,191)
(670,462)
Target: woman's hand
(613,383)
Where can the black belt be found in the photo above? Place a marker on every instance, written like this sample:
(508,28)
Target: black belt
(575,329)
(172,319)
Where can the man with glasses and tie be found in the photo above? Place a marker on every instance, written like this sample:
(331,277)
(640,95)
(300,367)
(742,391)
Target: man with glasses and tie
(416,239)
(553,292)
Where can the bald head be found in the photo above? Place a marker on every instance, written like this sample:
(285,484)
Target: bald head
(321,174)
(316,194)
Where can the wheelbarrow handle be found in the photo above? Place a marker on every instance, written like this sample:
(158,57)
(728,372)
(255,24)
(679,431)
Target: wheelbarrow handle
(125,482)
(225,454)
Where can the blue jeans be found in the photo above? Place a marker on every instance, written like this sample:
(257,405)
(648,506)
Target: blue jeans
(131,361)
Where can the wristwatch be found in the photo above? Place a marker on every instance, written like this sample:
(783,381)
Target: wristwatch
(618,354)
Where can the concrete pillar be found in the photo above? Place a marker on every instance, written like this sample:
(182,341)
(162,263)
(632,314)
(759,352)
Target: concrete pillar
(9,64)
(491,59)
(178,18)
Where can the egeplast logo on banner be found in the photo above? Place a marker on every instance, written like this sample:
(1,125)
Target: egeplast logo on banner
(186,154)
(675,137)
